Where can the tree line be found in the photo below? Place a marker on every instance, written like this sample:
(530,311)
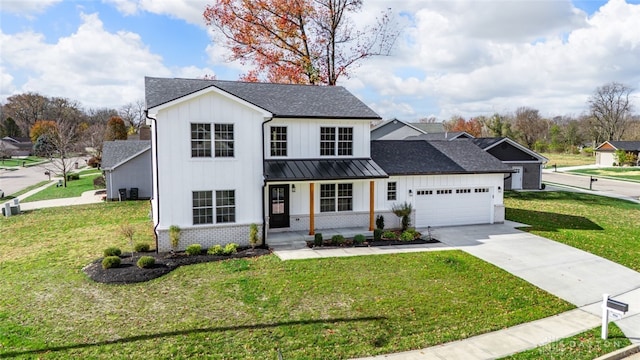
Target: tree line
(610,117)
(61,128)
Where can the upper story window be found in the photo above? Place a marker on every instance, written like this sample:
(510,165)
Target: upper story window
(200,140)
(278,141)
(331,145)
(223,140)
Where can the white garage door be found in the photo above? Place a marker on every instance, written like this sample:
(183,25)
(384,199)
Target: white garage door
(456,206)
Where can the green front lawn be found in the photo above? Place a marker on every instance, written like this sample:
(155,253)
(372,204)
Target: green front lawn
(564,160)
(603,226)
(29,161)
(585,346)
(74,188)
(239,309)
(622,173)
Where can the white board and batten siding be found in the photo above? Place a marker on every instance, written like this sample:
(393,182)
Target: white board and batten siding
(303,137)
(181,174)
(447,200)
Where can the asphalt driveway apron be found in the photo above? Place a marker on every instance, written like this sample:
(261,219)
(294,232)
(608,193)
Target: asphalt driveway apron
(569,273)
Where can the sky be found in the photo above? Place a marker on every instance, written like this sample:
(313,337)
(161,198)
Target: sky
(453,58)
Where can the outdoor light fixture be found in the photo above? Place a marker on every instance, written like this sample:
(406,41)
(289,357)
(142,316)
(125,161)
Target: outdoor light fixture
(410,192)
(293,188)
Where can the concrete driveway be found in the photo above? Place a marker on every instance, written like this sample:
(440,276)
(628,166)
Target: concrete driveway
(12,181)
(569,273)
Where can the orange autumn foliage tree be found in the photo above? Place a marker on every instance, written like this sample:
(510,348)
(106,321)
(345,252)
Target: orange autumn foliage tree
(298,41)
(42,127)
(472,126)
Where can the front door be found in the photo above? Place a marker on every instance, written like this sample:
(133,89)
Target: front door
(516,178)
(278,206)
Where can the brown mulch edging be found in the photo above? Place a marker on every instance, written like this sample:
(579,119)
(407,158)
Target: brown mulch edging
(373,243)
(129,273)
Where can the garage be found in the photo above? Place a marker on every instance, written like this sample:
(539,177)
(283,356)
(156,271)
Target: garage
(454,206)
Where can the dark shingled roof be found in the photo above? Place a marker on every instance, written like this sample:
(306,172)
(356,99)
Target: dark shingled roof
(430,127)
(626,145)
(115,152)
(486,142)
(451,135)
(435,157)
(316,169)
(282,100)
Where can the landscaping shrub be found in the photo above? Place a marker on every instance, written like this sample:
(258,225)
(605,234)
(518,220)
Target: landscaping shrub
(112,251)
(359,239)
(193,249)
(93,162)
(390,235)
(215,250)
(174,235)
(230,248)
(406,236)
(403,211)
(110,262)
(253,235)
(99,182)
(337,239)
(73,177)
(377,234)
(380,222)
(317,239)
(146,262)
(142,247)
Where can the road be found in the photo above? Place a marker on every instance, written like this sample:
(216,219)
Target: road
(612,187)
(16,180)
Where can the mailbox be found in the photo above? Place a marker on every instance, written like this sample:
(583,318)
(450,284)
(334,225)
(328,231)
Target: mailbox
(617,306)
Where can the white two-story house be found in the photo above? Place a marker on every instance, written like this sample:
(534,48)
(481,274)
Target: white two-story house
(296,158)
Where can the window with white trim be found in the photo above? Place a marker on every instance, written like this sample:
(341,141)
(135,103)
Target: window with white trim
(278,141)
(331,145)
(202,207)
(200,140)
(223,140)
(391,191)
(225,206)
(336,197)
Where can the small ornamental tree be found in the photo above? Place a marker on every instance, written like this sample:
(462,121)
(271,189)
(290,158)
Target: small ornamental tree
(174,236)
(253,235)
(403,211)
(127,230)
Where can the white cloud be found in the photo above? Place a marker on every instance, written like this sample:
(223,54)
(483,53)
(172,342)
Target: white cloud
(93,66)
(480,57)
(26,7)
(6,83)
(187,10)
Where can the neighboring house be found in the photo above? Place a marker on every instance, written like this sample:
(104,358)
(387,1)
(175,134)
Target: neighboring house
(447,135)
(394,129)
(230,154)
(606,152)
(126,164)
(527,164)
(447,182)
(429,127)
(15,146)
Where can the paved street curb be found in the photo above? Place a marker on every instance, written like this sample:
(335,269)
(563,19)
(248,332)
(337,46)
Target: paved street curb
(621,353)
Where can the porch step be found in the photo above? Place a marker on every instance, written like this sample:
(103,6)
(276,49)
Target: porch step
(288,245)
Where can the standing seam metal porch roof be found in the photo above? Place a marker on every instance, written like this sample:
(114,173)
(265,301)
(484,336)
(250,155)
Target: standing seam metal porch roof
(322,169)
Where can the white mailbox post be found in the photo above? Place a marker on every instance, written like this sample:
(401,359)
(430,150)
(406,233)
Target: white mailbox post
(614,308)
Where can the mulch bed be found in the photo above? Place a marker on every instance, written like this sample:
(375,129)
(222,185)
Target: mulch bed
(129,273)
(375,243)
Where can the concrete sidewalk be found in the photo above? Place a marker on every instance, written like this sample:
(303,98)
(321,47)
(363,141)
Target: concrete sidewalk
(88,197)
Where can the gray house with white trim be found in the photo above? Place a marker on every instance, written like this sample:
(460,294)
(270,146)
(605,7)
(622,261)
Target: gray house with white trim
(126,164)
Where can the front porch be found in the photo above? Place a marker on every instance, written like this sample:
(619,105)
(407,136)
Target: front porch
(298,239)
